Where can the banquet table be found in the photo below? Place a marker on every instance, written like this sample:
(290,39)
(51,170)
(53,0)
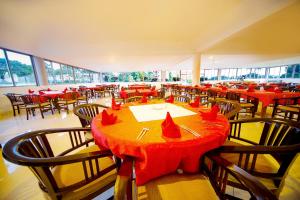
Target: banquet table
(156,155)
(124,93)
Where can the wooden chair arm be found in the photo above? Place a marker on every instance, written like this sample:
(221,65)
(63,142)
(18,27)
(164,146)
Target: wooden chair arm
(249,182)
(258,149)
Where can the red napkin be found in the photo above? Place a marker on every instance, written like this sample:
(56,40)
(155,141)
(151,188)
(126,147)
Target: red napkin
(114,105)
(212,114)
(41,92)
(108,118)
(169,128)
(144,99)
(170,99)
(196,102)
(65,90)
(122,89)
(277,90)
(251,88)
(30,91)
(49,89)
(74,89)
(224,88)
(153,88)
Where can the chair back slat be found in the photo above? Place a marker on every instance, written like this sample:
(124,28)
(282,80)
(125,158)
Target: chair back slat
(280,135)
(86,112)
(265,133)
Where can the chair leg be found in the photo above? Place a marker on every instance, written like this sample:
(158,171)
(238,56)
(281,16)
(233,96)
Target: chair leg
(27,113)
(18,107)
(42,112)
(14,110)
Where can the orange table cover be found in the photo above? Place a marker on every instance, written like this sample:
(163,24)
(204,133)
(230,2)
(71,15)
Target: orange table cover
(154,155)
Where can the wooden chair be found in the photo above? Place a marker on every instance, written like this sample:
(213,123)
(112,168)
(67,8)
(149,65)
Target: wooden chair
(86,112)
(209,183)
(287,108)
(66,100)
(279,141)
(228,108)
(16,102)
(84,96)
(73,173)
(181,98)
(250,104)
(33,102)
(133,99)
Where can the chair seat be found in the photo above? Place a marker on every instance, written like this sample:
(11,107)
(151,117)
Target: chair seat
(37,105)
(64,176)
(246,105)
(82,98)
(66,102)
(18,103)
(178,186)
(289,108)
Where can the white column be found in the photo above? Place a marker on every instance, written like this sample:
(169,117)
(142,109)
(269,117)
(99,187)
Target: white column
(41,71)
(196,69)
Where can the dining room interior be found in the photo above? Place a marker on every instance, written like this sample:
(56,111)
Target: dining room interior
(196,99)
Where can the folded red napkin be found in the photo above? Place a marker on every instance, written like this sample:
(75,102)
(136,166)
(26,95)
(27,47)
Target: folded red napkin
(74,89)
(153,88)
(212,114)
(108,118)
(224,88)
(122,89)
(49,89)
(41,92)
(144,99)
(277,90)
(196,102)
(114,105)
(208,85)
(65,90)
(169,128)
(30,91)
(170,99)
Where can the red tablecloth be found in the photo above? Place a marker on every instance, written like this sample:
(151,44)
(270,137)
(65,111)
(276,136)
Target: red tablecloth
(123,94)
(154,155)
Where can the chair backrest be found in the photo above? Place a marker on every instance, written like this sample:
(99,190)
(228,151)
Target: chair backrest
(182,98)
(233,96)
(133,99)
(227,107)
(13,97)
(34,150)
(29,99)
(282,135)
(212,93)
(86,112)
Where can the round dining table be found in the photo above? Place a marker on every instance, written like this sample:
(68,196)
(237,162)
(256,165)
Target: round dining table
(154,154)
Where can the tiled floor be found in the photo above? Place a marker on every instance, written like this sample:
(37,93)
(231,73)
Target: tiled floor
(18,182)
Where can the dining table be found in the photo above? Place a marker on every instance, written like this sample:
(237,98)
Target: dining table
(154,154)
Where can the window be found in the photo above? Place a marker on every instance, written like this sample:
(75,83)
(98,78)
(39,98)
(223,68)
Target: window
(297,71)
(21,68)
(225,74)
(243,73)
(5,77)
(67,74)
(186,76)
(211,74)
(274,72)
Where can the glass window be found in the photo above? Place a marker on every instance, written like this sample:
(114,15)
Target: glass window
(297,71)
(243,73)
(21,68)
(67,74)
(225,74)
(57,73)
(86,76)
(50,72)
(211,74)
(5,77)
(274,72)
(283,71)
(186,76)
(289,71)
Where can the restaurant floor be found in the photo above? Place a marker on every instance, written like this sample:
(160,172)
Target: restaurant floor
(18,182)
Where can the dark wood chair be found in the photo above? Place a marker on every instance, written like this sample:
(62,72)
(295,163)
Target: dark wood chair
(33,102)
(133,99)
(279,141)
(287,108)
(16,102)
(86,112)
(228,108)
(248,105)
(181,98)
(69,98)
(73,173)
(209,183)
(84,96)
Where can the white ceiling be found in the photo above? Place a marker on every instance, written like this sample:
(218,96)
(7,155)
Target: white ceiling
(129,35)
